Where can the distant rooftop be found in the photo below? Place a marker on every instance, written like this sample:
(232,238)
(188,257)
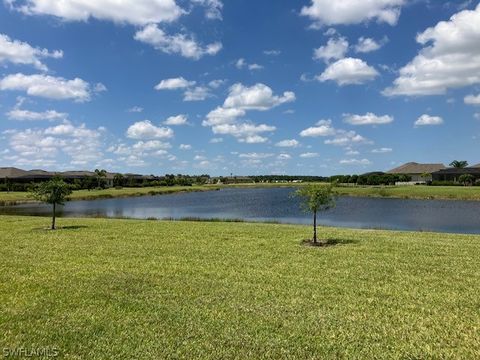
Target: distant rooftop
(416,168)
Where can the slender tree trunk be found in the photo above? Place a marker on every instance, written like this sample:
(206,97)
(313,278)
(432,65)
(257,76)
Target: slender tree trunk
(314,227)
(53,216)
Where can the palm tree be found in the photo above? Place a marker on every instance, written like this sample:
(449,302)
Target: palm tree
(459,164)
(466,179)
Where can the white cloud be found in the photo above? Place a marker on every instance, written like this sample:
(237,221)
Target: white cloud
(245,132)
(255,155)
(198,93)
(472,99)
(426,120)
(36,146)
(174,84)
(181,44)
(223,115)
(216,140)
(348,71)
(150,145)
(450,58)
(27,115)
(335,49)
(257,97)
(185,147)
(288,143)
(135,109)
(366,45)
(272,52)
(347,138)
(18,52)
(309,155)
(135,12)
(383,150)
(367,119)
(322,128)
(143,130)
(241,64)
(215,84)
(176,120)
(347,12)
(213,8)
(356,162)
(284,156)
(48,86)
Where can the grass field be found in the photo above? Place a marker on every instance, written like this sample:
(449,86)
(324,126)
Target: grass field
(125,289)
(11,198)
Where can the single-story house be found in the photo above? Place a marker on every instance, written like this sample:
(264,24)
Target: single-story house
(416,170)
(23,176)
(453,174)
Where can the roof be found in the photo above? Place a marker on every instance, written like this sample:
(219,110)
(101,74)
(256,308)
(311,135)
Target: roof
(11,172)
(14,173)
(476,166)
(459,171)
(416,168)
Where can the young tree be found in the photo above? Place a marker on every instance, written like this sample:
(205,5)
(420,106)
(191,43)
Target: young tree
(459,164)
(426,176)
(52,192)
(316,198)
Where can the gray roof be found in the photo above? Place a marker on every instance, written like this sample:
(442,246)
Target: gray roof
(416,168)
(11,172)
(476,166)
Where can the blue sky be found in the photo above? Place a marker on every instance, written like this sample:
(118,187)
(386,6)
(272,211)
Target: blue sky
(243,87)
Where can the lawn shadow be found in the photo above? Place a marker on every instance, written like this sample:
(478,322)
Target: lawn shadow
(323,243)
(60,228)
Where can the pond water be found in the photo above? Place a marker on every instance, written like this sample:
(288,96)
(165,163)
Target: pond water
(277,204)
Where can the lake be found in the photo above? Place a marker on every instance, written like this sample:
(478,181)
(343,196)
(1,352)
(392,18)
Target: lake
(276,204)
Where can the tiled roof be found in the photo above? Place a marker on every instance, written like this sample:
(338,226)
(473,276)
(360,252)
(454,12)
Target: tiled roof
(416,168)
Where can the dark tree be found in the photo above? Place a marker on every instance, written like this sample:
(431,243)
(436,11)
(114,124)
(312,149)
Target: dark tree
(459,164)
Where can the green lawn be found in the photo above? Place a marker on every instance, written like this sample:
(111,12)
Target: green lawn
(126,289)
(7,198)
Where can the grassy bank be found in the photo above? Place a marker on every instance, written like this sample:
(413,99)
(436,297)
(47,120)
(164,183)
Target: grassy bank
(143,289)
(402,192)
(13,198)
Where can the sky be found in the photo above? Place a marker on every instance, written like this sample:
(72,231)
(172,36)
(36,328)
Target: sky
(299,87)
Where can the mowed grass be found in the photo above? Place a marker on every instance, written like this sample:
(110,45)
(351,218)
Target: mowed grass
(7,198)
(126,289)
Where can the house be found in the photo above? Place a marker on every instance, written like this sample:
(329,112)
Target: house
(416,170)
(453,174)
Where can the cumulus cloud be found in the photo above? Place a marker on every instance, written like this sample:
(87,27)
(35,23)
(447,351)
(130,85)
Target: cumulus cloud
(367,119)
(48,87)
(181,44)
(348,71)
(288,143)
(335,49)
(450,58)
(226,119)
(135,12)
(257,97)
(426,120)
(309,155)
(213,8)
(242,64)
(322,128)
(42,146)
(366,45)
(146,130)
(174,84)
(346,138)
(364,162)
(472,99)
(27,115)
(185,147)
(18,52)
(135,109)
(198,93)
(383,150)
(348,12)
(176,120)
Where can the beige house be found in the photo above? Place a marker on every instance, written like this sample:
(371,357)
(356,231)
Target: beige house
(416,170)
